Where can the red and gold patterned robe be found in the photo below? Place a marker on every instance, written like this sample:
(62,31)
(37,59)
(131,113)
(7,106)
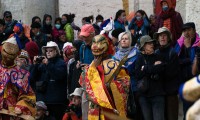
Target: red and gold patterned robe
(16,92)
(105,104)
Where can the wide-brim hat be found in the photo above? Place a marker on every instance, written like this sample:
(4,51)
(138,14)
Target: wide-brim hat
(145,39)
(77,92)
(50,44)
(162,30)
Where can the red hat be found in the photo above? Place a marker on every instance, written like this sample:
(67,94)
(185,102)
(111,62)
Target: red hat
(68,50)
(32,49)
(86,30)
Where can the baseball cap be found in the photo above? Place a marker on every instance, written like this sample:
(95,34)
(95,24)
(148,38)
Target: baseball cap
(86,30)
(7,13)
(188,25)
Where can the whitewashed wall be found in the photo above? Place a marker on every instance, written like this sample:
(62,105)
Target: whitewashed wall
(83,8)
(26,9)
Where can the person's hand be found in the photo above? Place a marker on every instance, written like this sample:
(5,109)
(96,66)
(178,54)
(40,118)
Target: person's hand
(157,62)
(34,59)
(17,111)
(78,65)
(187,42)
(71,112)
(45,60)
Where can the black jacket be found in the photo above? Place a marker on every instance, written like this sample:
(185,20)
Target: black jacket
(150,71)
(55,73)
(172,69)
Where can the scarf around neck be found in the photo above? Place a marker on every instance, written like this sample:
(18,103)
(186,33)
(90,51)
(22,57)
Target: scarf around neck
(122,52)
(139,23)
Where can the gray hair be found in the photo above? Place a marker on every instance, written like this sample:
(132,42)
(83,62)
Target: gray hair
(120,38)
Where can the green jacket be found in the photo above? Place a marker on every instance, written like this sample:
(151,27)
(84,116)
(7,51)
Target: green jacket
(69,32)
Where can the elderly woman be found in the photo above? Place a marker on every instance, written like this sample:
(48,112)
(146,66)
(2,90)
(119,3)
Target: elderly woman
(126,49)
(148,69)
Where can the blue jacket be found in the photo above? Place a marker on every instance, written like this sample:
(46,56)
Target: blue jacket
(118,24)
(85,53)
(144,28)
(129,65)
(55,73)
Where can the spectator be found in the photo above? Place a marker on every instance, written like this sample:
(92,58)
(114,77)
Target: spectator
(124,49)
(196,64)
(86,57)
(73,111)
(171,72)
(50,73)
(67,20)
(36,19)
(115,33)
(22,60)
(87,20)
(170,19)
(56,29)
(67,52)
(87,33)
(186,48)
(3,35)
(9,22)
(148,66)
(62,39)
(140,25)
(42,112)
(153,28)
(97,24)
(120,19)
(39,37)
(47,27)
(32,49)
(74,74)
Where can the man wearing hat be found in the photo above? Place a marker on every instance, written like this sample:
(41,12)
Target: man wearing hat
(86,57)
(171,72)
(74,110)
(87,34)
(50,70)
(9,22)
(187,48)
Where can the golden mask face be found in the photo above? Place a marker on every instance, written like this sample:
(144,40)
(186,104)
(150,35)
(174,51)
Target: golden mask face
(9,51)
(99,45)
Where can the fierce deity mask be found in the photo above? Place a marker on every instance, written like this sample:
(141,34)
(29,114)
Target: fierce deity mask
(100,45)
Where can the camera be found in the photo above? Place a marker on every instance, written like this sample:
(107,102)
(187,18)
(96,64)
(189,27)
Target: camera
(39,59)
(71,107)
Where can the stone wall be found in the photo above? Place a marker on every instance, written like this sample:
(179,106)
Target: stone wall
(26,9)
(84,8)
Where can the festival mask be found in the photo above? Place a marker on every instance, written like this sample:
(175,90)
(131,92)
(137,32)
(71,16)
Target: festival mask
(99,45)
(9,51)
